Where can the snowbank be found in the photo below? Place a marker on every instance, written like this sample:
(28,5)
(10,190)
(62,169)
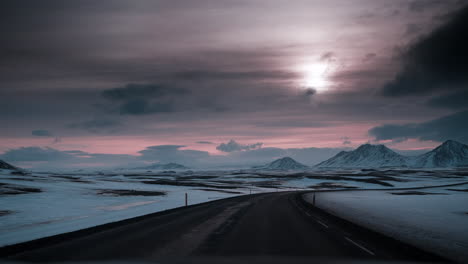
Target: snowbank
(434,219)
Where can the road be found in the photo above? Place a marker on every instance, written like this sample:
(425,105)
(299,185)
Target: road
(272,224)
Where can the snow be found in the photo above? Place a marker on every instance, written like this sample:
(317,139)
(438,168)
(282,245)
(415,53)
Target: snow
(72,201)
(436,222)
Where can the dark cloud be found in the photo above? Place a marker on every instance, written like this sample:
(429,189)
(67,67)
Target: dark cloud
(457,100)
(97,125)
(173,153)
(453,127)
(233,146)
(45,157)
(34,154)
(205,142)
(310,91)
(422,5)
(437,62)
(327,56)
(137,91)
(141,99)
(41,133)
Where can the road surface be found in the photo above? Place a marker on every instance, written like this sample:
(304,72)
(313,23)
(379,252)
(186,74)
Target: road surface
(271,224)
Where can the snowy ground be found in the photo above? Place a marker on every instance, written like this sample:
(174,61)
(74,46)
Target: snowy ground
(43,203)
(434,219)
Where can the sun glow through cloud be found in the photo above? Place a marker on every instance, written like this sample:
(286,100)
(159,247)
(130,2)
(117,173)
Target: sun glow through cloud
(315,76)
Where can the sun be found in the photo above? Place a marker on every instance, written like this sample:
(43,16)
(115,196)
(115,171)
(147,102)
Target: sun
(315,76)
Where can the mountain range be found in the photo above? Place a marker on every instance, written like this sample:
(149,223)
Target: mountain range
(449,154)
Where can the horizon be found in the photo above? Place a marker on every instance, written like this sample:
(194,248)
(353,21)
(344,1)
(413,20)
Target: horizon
(112,83)
(234,164)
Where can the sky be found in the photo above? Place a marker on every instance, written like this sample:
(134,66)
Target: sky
(225,82)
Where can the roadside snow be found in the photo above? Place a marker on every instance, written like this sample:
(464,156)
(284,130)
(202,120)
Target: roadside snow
(434,219)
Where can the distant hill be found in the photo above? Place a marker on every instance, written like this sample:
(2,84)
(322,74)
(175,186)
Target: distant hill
(285,163)
(167,166)
(6,166)
(449,154)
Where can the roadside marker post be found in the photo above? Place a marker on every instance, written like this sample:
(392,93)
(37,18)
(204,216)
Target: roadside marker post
(186,199)
(313,200)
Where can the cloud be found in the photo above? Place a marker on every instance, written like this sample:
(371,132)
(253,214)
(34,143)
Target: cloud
(422,5)
(369,56)
(457,100)
(141,99)
(327,56)
(233,146)
(346,141)
(448,127)
(97,125)
(258,75)
(204,142)
(41,133)
(35,154)
(136,91)
(437,62)
(50,158)
(172,153)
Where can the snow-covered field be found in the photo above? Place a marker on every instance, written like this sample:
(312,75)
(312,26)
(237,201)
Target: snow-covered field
(434,219)
(41,204)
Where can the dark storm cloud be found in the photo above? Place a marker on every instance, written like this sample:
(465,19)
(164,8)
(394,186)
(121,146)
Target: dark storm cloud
(437,62)
(41,133)
(233,146)
(453,127)
(455,100)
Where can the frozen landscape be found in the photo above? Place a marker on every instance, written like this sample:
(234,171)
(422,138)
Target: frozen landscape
(426,207)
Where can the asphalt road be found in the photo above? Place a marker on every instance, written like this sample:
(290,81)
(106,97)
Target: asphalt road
(273,224)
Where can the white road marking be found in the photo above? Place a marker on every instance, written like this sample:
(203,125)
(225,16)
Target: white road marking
(322,223)
(359,246)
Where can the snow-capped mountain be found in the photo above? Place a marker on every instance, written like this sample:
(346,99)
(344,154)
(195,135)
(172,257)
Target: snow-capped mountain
(450,154)
(369,156)
(167,166)
(285,163)
(6,166)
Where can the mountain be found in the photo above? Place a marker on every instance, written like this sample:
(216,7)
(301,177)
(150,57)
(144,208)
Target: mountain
(368,156)
(450,154)
(167,166)
(6,166)
(285,163)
